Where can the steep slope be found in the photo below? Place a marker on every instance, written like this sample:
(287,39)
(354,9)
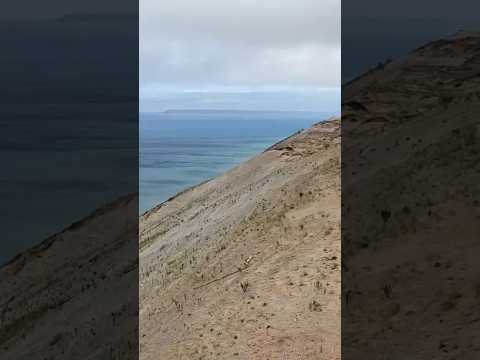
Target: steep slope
(411,221)
(75,295)
(246,266)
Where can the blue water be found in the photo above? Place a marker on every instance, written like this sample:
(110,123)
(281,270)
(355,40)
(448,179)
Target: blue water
(182,149)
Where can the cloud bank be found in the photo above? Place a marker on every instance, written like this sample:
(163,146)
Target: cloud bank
(222,46)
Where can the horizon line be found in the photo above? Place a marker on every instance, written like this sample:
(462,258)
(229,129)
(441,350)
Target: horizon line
(233,110)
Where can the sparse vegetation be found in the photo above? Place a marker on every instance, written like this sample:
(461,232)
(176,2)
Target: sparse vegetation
(246,254)
(314,306)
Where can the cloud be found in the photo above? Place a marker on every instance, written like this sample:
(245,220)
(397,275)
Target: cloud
(250,43)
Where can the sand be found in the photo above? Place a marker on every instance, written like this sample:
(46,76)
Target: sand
(247,265)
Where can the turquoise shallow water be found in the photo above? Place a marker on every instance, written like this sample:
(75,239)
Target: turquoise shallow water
(182,149)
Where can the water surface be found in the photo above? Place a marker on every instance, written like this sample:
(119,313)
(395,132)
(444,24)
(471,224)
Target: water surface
(182,149)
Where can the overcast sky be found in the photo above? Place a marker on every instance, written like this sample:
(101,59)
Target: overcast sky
(413,9)
(34,9)
(269,54)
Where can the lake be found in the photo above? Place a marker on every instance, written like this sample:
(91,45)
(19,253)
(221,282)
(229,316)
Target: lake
(180,149)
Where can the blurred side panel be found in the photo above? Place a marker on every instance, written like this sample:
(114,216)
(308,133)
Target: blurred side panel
(410,180)
(69,180)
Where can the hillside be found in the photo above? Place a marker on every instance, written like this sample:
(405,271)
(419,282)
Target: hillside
(247,265)
(411,189)
(74,296)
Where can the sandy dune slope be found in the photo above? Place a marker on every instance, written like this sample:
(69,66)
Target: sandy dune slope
(411,189)
(75,295)
(246,266)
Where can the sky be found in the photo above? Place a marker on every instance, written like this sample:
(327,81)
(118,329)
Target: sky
(413,9)
(376,30)
(34,9)
(269,54)
(242,55)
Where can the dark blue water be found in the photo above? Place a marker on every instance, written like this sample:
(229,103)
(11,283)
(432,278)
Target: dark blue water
(59,170)
(182,149)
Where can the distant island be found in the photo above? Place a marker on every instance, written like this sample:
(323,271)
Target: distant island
(218,111)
